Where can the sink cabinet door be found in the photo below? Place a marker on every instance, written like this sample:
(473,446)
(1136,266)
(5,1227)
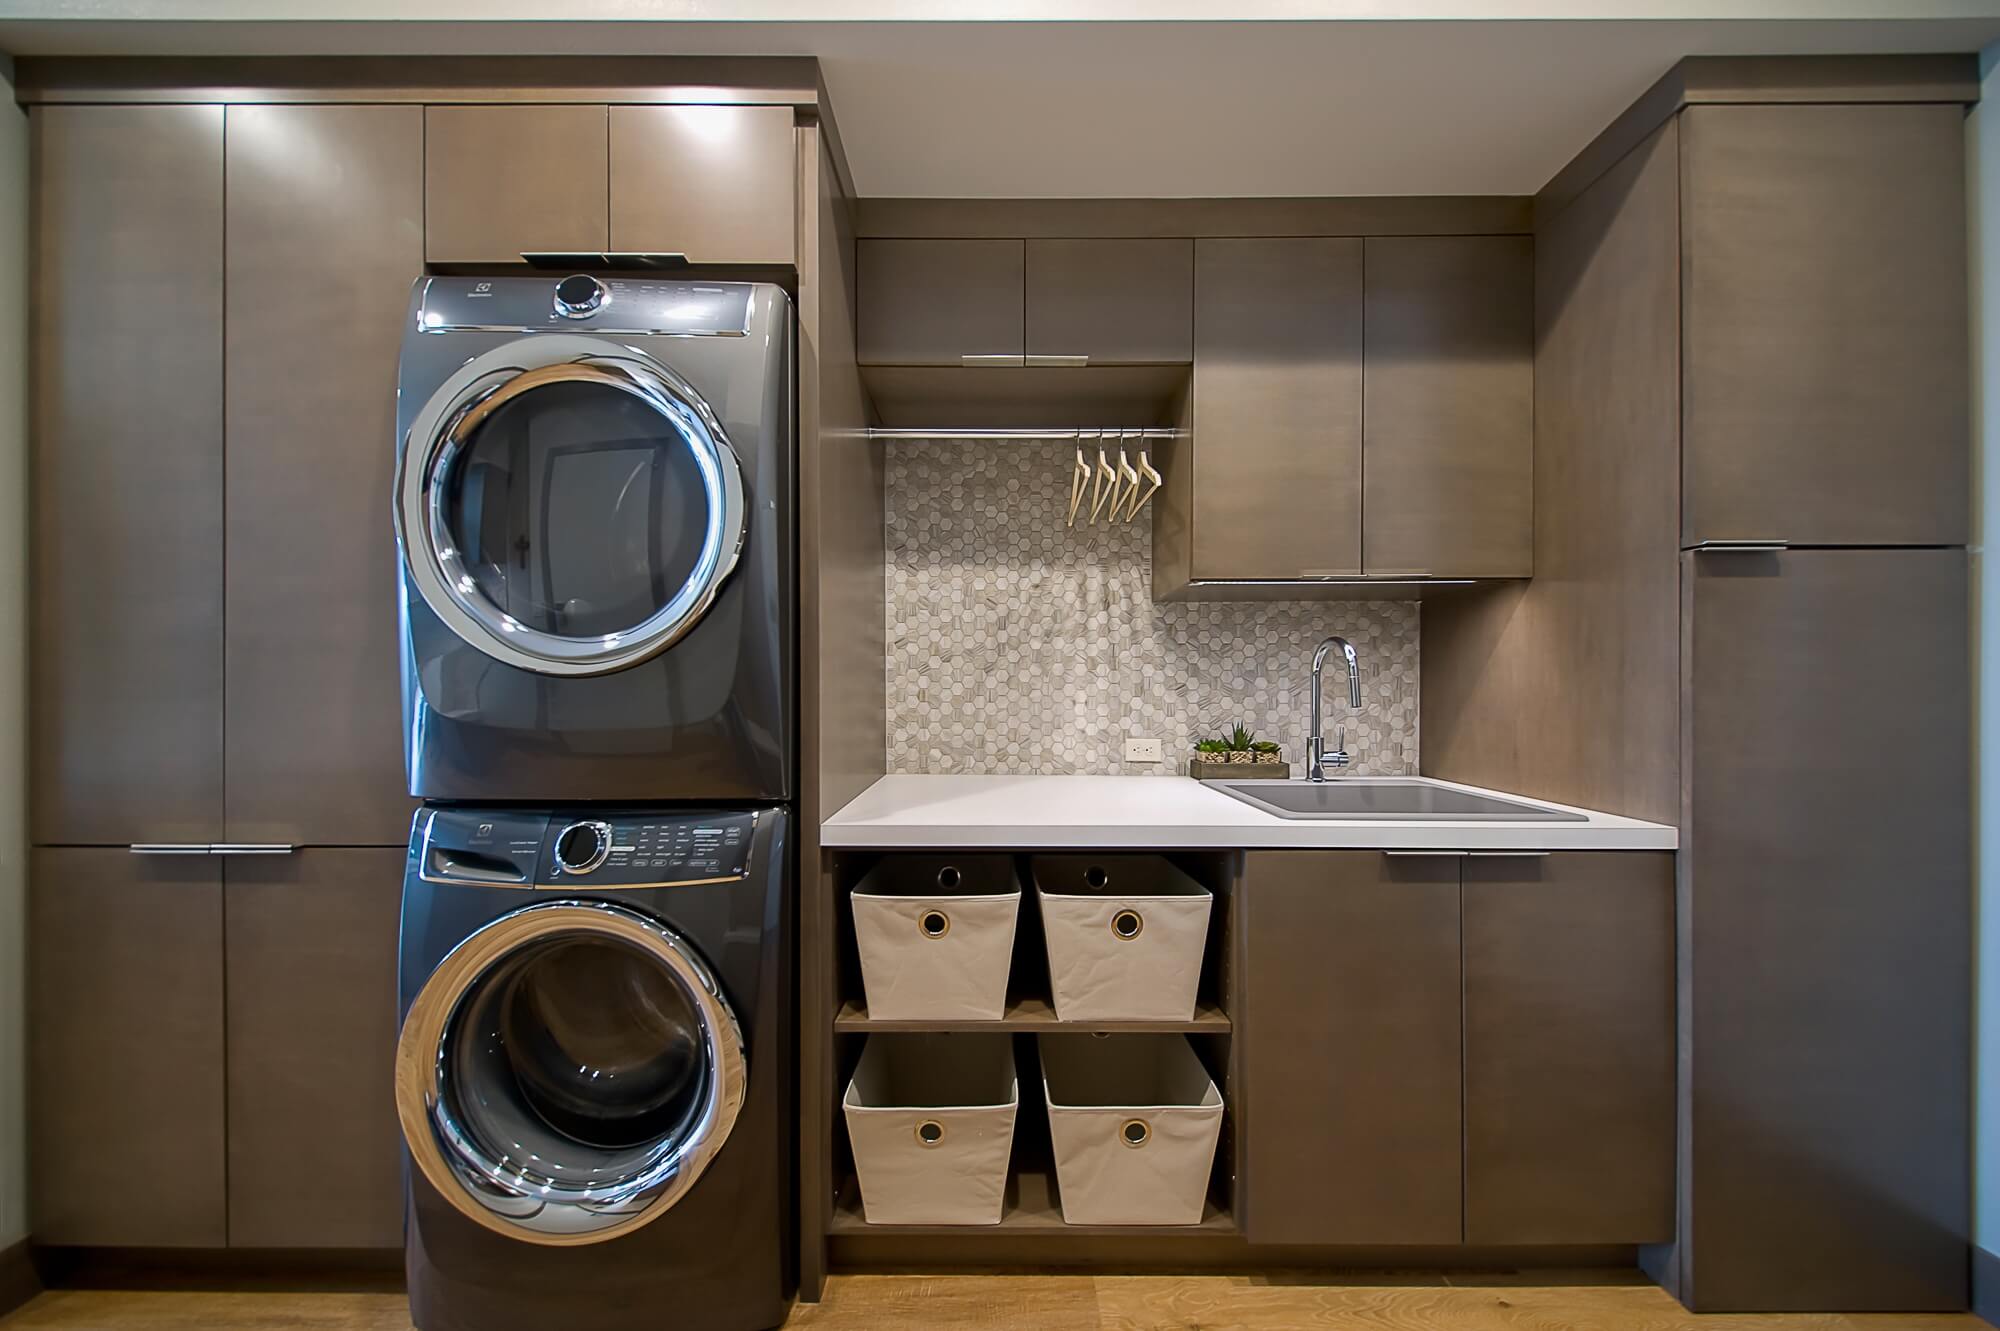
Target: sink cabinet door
(1569,1048)
(1351,1048)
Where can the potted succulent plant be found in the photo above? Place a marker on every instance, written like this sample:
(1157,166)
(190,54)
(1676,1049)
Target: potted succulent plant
(1239,755)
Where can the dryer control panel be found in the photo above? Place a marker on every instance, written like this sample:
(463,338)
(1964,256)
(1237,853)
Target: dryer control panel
(584,848)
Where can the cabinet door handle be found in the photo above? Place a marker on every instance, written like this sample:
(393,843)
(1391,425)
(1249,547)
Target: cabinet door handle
(251,848)
(1739,547)
(168,848)
(1058,362)
(1426,854)
(991,362)
(1507,854)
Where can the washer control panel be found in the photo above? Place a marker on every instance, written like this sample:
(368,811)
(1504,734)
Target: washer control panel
(648,849)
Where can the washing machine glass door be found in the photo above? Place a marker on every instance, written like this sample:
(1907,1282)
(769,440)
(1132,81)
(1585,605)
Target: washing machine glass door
(568,1072)
(569,505)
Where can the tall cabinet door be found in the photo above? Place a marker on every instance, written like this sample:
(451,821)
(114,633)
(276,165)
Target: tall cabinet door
(326,208)
(315,1155)
(1828,907)
(125,1049)
(1351,1051)
(125,645)
(1277,408)
(1824,325)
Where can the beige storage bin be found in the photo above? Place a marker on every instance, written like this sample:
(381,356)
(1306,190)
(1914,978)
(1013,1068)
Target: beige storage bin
(1125,936)
(931,1120)
(1135,1120)
(936,934)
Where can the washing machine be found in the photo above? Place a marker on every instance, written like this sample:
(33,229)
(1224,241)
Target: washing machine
(593,1074)
(594,504)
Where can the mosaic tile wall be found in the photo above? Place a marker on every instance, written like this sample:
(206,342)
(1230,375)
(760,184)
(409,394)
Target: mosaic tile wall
(1020,645)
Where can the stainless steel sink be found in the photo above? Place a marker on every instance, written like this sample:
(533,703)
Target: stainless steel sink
(1397,799)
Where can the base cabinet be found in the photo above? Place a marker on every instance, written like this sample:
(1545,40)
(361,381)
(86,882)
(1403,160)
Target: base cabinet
(1459,1047)
(315,1154)
(211,1050)
(125,1049)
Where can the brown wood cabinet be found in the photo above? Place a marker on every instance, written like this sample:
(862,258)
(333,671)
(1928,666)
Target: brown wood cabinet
(320,267)
(315,1154)
(1351,1048)
(500,181)
(1275,490)
(715,183)
(125,1049)
(1569,1048)
(1448,381)
(937,302)
(1110,302)
(125,644)
(1824,325)
(1826,867)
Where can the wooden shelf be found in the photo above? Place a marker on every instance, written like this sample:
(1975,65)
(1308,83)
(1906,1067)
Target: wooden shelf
(1032,1014)
(1032,1208)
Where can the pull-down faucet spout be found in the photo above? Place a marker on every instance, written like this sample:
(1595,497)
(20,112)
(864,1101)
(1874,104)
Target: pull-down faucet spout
(1317,759)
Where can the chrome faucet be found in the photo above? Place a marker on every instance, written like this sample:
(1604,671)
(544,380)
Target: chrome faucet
(1317,758)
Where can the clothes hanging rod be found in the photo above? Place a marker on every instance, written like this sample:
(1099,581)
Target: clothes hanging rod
(1110,434)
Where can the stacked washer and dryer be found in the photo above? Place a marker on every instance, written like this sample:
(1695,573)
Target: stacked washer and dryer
(594,504)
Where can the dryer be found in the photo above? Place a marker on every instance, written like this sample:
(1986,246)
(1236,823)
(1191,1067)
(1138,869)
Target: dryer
(595,510)
(594,1070)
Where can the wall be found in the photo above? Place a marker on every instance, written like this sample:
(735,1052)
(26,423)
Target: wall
(1019,644)
(1983,193)
(13,660)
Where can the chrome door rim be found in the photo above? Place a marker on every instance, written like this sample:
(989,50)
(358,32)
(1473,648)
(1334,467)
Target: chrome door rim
(500,1196)
(442,428)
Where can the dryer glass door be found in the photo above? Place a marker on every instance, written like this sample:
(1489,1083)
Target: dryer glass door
(569,506)
(568,1072)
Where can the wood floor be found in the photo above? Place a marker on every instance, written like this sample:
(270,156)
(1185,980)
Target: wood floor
(1399,1301)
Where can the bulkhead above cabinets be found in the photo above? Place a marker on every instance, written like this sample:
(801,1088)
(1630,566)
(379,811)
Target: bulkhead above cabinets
(1352,415)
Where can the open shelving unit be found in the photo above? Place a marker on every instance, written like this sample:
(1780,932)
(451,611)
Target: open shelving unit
(1031,1228)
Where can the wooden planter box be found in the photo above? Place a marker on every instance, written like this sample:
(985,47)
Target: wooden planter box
(1206,769)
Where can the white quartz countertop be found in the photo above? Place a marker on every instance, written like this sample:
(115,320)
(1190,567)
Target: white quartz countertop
(1175,812)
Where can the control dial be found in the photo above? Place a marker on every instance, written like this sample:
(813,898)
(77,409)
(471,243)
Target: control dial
(581,847)
(580,296)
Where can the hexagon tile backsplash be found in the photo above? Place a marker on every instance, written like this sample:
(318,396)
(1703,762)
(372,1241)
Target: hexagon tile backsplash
(1020,645)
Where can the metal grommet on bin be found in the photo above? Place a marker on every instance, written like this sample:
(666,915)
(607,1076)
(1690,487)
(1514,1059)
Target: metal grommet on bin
(1128,924)
(1134,1132)
(930,1132)
(934,923)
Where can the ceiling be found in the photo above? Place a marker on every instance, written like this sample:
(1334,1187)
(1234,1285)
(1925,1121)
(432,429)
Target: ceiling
(1118,107)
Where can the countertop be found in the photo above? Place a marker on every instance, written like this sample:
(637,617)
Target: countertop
(1176,813)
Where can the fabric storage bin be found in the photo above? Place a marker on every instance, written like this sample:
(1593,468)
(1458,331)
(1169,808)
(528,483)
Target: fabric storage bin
(936,934)
(1135,1120)
(931,1120)
(1125,936)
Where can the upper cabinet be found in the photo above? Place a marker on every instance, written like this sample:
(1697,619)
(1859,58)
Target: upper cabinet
(940,302)
(125,645)
(715,184)
(1052,304)
(1448,417)
(476,160)
(1110,302)
(1276,446)
(1824,325)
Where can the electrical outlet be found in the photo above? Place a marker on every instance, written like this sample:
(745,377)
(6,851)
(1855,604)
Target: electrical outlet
(1143,751)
